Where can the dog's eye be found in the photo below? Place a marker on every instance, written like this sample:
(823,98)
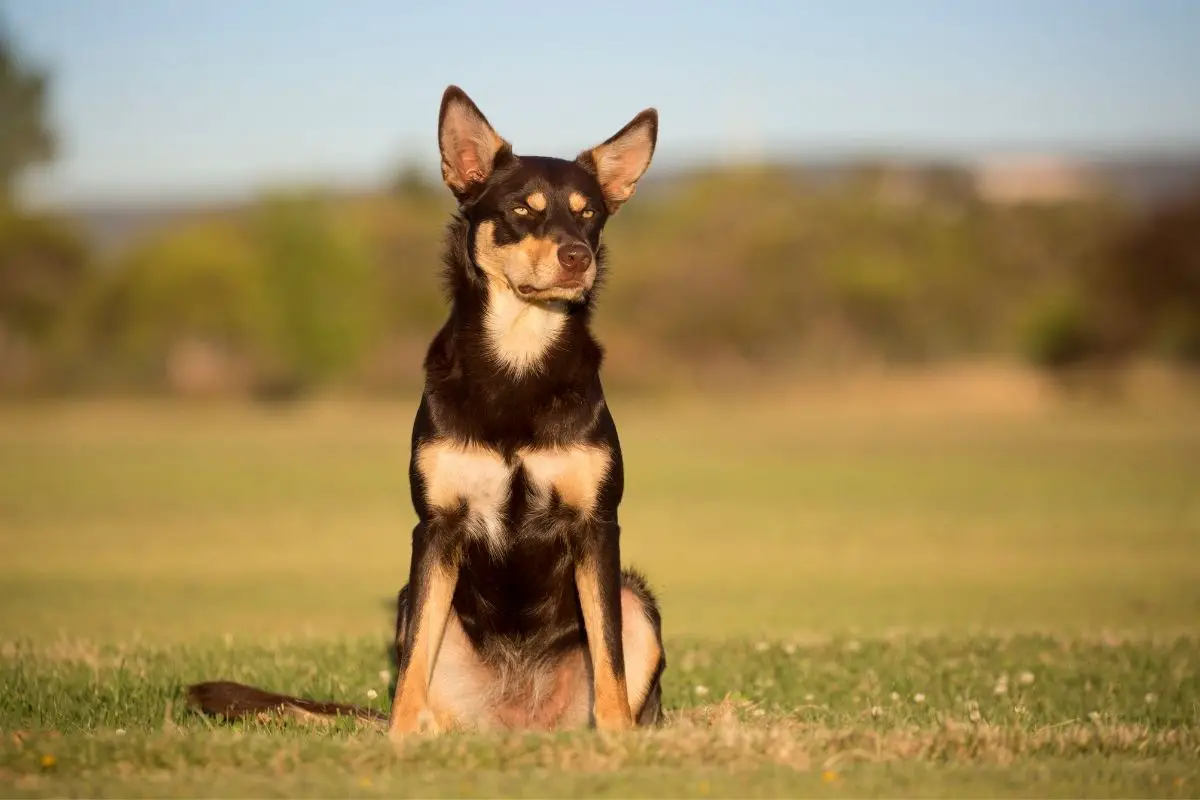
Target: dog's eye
(521,211)
(587,213)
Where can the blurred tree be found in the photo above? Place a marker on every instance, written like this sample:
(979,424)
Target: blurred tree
(412,184)
(188,308)
(730,267)
(1147,293)
(43,264)
(1056,335)
(322,286)
(25,135)
(42,260)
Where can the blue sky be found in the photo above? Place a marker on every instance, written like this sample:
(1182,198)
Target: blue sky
(175,98)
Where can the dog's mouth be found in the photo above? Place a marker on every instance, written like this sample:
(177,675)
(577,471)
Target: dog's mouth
(564,290)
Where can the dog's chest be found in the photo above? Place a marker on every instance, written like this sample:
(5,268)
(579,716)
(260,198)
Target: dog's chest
(482,480)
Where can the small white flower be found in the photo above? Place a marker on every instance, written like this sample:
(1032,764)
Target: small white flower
(1020,710)
(790,649)
(120,731)
(1151,698)
(918,698)
(808,698)
(876,712)
(1026,678)
(758,712)
(372,694)
(1001,688)
(895,697)
(762,647)
(701,690)
(974,715)
(1094,716)
(384,675)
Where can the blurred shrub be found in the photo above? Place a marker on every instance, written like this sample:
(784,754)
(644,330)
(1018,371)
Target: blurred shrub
(1056,335)
(776,267)
(190,301)
(279,302)
(758,269)
(43,267)
(1147,293)
(42,262)
(320,287)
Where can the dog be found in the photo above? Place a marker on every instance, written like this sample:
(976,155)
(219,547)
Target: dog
(517,614)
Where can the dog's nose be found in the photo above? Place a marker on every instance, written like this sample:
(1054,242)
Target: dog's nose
(574,257)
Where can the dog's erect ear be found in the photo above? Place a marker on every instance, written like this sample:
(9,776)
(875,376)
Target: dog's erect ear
(468,143)
(621,161)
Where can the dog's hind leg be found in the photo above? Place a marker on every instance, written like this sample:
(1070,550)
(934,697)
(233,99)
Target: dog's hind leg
(462,689)
(645,658)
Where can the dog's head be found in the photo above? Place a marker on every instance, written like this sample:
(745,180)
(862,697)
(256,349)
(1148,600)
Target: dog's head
(535,222)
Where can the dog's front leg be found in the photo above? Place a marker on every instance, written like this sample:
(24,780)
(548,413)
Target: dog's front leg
(434,573)
(598,579)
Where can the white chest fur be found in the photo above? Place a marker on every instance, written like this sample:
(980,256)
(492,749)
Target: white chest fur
(455,474)
(521,332)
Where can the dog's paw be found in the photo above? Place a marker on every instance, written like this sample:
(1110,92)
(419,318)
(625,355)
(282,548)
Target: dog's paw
(613,722)
(406,726)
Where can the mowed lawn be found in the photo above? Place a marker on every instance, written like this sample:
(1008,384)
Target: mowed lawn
(876,596)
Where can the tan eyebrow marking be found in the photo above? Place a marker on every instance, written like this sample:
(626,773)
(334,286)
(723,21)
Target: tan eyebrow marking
(578,202)
(536,201)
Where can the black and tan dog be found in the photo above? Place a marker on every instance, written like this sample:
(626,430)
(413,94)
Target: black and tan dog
(517,613)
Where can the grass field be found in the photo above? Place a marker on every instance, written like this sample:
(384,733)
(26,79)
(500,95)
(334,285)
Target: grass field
(886,596)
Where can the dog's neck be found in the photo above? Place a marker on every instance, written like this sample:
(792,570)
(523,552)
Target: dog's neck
(519,333)
(491,325)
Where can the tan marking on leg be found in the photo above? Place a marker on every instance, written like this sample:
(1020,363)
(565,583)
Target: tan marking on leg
(410,710)
(578,201)
(576,473)
(642,649)
(536,201)
(455,473)
(611,707)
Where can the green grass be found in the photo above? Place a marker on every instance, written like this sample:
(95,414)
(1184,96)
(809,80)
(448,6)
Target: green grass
(1033,574)
(903,716)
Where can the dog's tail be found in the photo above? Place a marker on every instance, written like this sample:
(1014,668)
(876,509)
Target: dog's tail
(237,701)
